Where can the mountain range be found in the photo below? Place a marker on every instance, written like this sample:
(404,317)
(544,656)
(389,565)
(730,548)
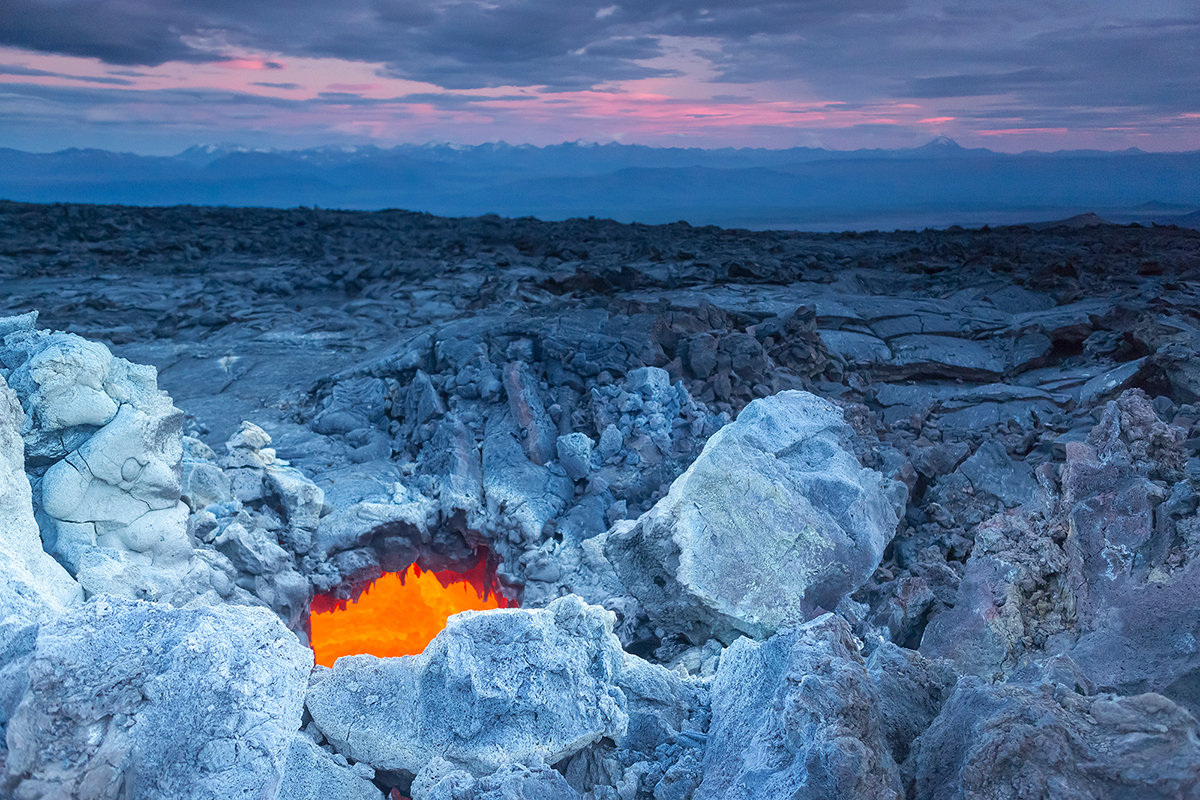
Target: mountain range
(936,185)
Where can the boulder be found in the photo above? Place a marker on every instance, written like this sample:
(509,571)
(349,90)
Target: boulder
(774,522)
(1004,742)
(311,773)
(140,700)
(493,688)
(797,716)
(104,446)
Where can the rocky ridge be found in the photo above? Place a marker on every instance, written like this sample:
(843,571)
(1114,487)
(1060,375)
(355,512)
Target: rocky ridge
(785,513)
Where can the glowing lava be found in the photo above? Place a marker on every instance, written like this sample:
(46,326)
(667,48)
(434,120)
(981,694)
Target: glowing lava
(399,613)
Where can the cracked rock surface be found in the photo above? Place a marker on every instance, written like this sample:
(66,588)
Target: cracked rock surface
(908,514)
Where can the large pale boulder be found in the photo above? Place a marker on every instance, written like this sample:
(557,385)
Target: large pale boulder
(797,716)
(103,445)
(775,521)
(493,688)
(137,700)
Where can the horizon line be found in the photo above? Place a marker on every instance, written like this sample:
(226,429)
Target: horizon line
(943,141)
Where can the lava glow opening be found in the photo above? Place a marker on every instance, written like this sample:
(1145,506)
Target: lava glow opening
(399,613)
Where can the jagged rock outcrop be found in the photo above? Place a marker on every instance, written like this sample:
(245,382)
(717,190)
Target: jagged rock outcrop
(797,716)
(34,588)
(491,689)
(1048,740)
(141,700)
(775,521)
(20,540)
(260,514)
(1099,563)
(103,445)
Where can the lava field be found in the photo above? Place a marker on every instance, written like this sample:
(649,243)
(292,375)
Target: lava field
(727,514)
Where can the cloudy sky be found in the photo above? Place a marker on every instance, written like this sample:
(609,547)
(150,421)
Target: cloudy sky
(156,76)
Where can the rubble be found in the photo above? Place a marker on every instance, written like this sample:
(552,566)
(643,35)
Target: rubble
(906,514)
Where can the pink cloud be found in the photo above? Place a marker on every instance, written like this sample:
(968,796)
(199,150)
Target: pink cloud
(250,63)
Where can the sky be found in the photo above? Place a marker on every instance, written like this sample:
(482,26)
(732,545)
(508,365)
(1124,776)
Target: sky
(157,76)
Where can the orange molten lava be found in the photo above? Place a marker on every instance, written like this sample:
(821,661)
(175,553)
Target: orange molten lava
(399,613)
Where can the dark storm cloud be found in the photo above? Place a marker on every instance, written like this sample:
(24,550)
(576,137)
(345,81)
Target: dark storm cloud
(456,44)
(1034,52)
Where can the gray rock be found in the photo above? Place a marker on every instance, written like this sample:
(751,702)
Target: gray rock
(796,716)
(857,348)
(912,690)
(440,780)
(1009,742)
(34,588)
(525,405)
(139,700)
(774,521)
(1014,595)
(492,688)
(991,470)
(311,773)
(522,496)
(575,454)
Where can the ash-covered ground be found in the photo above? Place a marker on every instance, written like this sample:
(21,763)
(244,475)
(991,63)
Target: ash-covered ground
(882,515)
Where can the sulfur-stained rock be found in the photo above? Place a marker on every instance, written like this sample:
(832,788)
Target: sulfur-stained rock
(774,521)
(797,716)
(493,688)
(138,700)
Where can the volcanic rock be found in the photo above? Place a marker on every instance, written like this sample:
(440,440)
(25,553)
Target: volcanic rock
(774,521)
(797,716)
(20,541)
(104,445)
(1048,740)
(311,773)
(493,688)
(365,391)
(439,780)
(34,588)
(139,700)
